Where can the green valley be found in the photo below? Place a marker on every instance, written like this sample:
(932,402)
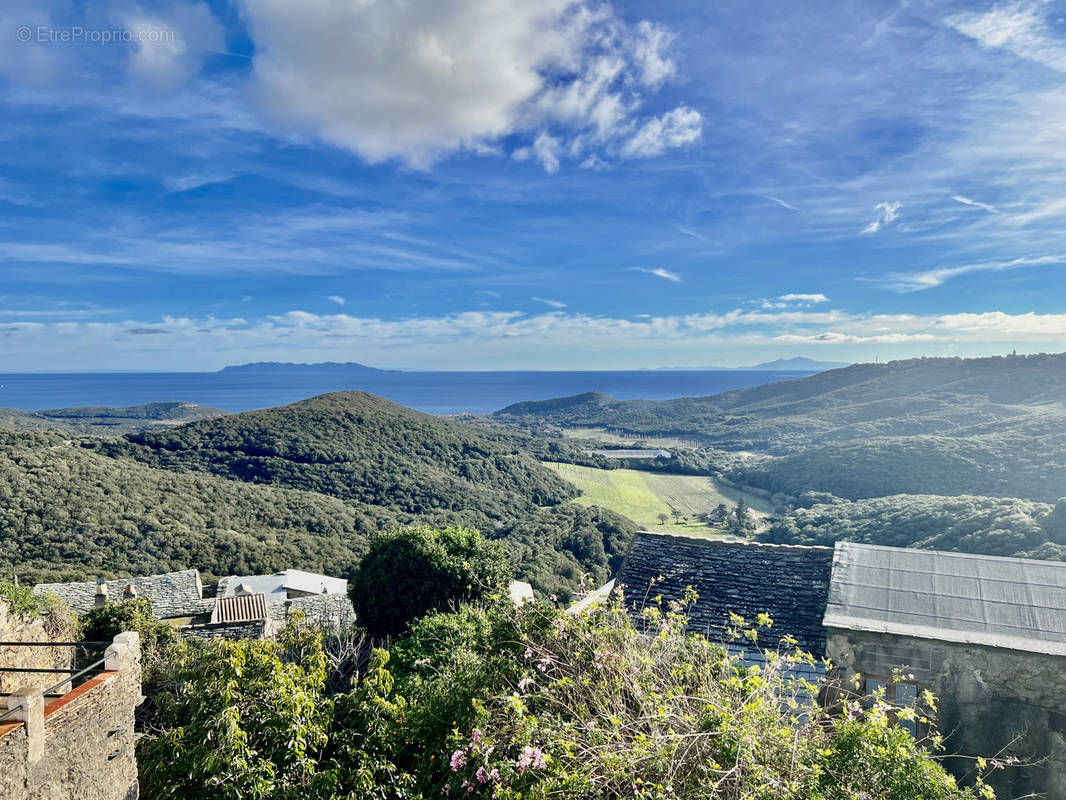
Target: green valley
(645,496)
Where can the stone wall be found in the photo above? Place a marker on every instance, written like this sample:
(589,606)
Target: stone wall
(33,629)
(85,747)
(988,698)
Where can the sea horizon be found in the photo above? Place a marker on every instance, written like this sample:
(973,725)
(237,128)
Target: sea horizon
(444,392)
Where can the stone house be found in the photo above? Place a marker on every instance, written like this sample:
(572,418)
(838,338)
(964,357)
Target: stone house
(240,607)
(986,635)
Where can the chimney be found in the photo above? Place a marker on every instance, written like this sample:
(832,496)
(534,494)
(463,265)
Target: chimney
(130,593)
(101,593)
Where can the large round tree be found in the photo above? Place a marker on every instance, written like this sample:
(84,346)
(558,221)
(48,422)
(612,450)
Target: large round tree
(408,573)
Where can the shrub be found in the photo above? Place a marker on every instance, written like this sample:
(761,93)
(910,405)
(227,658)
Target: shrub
(239,720)
(408,573)
(158,638)
(59,621)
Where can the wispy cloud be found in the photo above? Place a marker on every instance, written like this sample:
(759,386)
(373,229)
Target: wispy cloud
(1046,209)
(497,338)
(929,279)
(884,214)
(966,201)
(547,302)
(336,298)
(1016,27)
(659,272)
(779,201)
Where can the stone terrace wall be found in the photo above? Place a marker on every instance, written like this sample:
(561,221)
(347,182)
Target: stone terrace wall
(789,582)
(986,696)
(88,747)
(19,629)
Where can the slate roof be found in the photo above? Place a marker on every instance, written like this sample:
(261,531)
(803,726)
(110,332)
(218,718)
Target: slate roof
(240,608)
(789,582)
(1015,603)
(174,594)
(275,586)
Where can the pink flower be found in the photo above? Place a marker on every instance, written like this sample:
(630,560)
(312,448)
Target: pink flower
(481,775)
(530,758)
(458,760)
(475,739)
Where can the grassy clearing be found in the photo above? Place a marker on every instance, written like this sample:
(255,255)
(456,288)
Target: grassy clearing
(643,496)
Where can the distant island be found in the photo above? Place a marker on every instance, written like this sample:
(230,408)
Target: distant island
(285,366)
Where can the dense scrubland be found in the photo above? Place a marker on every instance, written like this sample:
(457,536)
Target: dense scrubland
(298,486)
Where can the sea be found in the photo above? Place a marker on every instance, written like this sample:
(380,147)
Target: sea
(431,392)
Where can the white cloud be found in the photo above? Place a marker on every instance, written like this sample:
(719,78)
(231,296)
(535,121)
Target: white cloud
(650,43)
(804,298)
(929,279)
(1027,325)
(168,49)
(675,128)
(660,273)
(884,214)
(418,80)
(1016,27)
(491,337)
(336,298)
(547,302)
(545,149)
(966,201)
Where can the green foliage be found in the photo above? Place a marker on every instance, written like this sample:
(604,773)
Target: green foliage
(71,514)
(991,426)
(598,707)
(104,420)
(300,486)
(158,639)
(20,600)
(58,619)
(408,573)
(241,720)
(525,704)
(966,524)
(368,731)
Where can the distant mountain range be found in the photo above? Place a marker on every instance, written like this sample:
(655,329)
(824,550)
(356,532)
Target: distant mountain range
(798,364)
(285,366)
(948,426)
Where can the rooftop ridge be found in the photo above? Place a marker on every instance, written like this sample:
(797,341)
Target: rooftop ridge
(739,542)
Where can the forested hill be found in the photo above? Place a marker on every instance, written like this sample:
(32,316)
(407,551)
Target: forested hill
(928,395)
(106,419)
(297,486)
(358,446)
(987,426)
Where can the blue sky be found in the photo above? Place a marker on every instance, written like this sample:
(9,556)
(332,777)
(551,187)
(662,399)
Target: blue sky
(481,184)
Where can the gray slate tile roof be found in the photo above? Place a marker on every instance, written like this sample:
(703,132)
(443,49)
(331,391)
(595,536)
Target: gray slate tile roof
(789,582)
(1015,603)
(174,594)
